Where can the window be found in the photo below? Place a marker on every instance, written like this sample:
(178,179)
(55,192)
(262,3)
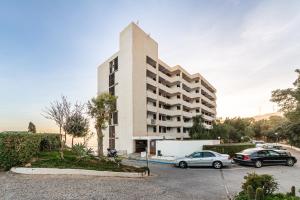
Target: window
(151,62)
(115,117)
(112,90)
(178,85)
(111,131)
(261,153)
(178,130)
(196,155)
(111,137)
(207,154)
(197,110)
(111,79)
(113,65)
(178,119)
(178,107)
(178,74)
(178,96)
(154,116)
(111,143)
(273,153)
(197,91)
(154,103)
(197,81)
(197,100)
(154,129)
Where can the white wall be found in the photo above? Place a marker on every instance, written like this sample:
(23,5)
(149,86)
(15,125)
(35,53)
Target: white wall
(181,148)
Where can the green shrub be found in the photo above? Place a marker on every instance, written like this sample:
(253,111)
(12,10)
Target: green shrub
(81,151)
(250,192)
(230,149)
(49,141)
(259,194)
(18,148)
(265,181)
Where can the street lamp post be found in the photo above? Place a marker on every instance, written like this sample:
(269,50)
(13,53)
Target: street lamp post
(276,137)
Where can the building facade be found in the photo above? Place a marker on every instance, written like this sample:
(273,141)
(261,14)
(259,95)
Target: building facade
(154,101)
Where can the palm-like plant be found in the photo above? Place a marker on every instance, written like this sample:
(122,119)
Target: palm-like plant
(101,108)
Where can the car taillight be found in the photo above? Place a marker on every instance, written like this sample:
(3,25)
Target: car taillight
(246,157)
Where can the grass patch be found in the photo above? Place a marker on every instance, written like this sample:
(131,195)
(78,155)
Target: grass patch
(52,160)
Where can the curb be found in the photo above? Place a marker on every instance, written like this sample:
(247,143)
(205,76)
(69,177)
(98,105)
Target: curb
(56,171)
(155,161)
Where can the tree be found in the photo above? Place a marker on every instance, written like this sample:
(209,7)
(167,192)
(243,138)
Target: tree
(198,131)
(58,112)
(31,127)
(288,101)
(77,125)
(101,108)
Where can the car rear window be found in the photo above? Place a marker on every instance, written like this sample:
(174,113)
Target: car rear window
(248,151)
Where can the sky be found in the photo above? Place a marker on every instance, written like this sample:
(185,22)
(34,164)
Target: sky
(51,48)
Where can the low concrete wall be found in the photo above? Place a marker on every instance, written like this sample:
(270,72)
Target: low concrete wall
(292,147)
(179,148)
(56,171)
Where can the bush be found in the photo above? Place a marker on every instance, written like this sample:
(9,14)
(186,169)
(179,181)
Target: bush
(18,148)
(250,193)
(81,151)
(49,141)
(259,195)
(264,181)
(230,149)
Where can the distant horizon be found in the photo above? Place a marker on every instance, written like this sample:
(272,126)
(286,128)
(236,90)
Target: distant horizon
(245,49)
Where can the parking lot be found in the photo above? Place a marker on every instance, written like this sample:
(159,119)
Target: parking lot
(167,182)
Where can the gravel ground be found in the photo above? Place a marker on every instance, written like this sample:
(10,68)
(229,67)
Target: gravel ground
(167,183)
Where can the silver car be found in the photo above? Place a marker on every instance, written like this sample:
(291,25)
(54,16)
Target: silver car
(204,158)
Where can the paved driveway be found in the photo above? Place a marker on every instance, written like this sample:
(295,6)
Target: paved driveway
(168,183)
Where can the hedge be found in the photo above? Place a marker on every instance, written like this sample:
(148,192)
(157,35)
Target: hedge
(17,148)
(230,149)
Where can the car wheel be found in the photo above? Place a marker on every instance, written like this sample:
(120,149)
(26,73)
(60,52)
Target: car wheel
(258,164)
(290,162)
(182,164)
(217,165)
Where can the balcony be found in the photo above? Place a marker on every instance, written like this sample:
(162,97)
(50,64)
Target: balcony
(208,118)
(170,123)
(213,95)
(151,81)
(208,109)
(208,100)
(150,68)
(151,95)
(151,121)
(169,101)
(151,108)
(169,112)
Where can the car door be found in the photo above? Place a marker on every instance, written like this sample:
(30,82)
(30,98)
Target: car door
(207,158)
(261,156)
(276,157)
(195,159)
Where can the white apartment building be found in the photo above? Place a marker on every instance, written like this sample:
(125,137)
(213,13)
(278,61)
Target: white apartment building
(154,101)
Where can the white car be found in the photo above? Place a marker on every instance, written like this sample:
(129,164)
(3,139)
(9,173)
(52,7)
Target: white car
(204,158)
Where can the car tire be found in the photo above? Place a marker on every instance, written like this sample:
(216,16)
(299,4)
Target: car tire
(258,164)
(290,162)
(182,164)
(217,164)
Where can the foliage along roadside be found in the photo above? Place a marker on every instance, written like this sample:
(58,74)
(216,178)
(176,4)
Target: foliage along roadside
(17,148)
